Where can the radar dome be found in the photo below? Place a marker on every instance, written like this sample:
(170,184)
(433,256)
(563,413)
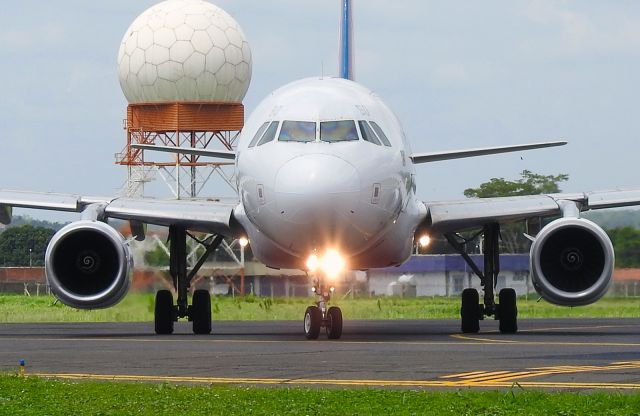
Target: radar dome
(184,50)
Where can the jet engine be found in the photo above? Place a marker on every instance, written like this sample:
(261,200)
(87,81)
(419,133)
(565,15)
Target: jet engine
(572,262)
(87,264)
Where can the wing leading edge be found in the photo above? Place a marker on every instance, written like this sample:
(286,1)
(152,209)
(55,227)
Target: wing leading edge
(220,154)
(459,154)
(451,216)
(198,215)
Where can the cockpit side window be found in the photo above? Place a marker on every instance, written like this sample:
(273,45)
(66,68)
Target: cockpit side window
(338,131)
(298,131)
(270,134)
(381,134)
(259,134)
(367,133)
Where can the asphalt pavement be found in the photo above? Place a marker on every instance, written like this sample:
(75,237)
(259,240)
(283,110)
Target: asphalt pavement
(592,354)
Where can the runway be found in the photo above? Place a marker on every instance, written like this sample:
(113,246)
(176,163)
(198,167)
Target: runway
(546,353)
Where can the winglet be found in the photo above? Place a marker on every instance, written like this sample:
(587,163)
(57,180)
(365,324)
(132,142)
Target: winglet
(459,154)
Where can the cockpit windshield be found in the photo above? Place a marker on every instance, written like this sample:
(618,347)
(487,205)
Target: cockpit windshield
(298,131)
(338,131)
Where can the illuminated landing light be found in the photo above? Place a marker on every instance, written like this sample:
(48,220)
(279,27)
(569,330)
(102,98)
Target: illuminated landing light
(332,263)
(313,263)
(424,240)
(243,241)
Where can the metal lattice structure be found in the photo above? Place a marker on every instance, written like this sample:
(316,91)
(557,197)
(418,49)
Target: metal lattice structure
(178,124)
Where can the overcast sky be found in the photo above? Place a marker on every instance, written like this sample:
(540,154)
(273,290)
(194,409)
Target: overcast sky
(458,75)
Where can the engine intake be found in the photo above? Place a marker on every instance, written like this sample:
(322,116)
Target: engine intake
(87,264)
(572,262)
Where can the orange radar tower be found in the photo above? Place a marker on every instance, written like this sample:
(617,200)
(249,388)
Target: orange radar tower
(184,68)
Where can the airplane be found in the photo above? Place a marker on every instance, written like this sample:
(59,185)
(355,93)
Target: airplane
(326,182)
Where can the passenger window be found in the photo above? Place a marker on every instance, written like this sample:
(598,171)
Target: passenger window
(381,134)
(270,134)
(368,134)
(338,131)
(298,131)
(259,134)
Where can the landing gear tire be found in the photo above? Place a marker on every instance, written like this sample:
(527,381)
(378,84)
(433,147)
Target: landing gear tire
(469,311)
(164,314)
(312,322)
(333,323)
(508,311)
(201,312)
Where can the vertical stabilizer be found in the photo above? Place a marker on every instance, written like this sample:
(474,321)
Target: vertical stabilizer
(346,40)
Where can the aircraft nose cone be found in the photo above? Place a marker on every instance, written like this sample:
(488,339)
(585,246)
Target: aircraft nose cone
(316,192)
(317,174)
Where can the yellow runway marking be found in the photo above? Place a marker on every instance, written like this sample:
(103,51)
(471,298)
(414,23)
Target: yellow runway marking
(493,341)
(503,376)
(464,374)
(236,341)
(337,382)
(466,339)
(481,339)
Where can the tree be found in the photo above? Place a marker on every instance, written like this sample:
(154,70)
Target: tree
(156,257)
(626,244)
(513,240)
(530,184)
(24,246)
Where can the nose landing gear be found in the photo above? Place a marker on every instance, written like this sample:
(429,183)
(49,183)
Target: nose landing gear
(319,316)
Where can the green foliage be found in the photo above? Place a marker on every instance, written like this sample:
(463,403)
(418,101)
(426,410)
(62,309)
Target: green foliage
(20,220)
(31,395)
(137,307)
(156,257)
(626,244)
(513,240)
(530,184)
(19,245)
(614,218)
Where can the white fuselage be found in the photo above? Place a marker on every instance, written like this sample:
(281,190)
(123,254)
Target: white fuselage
(310,181)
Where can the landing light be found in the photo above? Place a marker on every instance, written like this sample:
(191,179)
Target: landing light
(243,241)
(331,263)
(424,240)
(313,263)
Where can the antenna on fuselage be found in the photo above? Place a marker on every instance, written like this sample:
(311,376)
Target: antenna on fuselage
(346,40)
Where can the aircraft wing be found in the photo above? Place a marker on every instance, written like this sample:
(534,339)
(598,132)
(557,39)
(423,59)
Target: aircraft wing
(198,215)
(460,154)
(448,216)
(221,154)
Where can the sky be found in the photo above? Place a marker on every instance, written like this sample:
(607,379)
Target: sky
(459,74)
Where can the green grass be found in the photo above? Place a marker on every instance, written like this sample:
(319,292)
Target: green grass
(138,307)
(34,396)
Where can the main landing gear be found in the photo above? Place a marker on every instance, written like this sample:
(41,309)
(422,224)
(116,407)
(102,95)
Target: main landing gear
(199,312)
(318,316)
(472,311)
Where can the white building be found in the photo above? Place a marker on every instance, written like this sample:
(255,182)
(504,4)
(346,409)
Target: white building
(447,275)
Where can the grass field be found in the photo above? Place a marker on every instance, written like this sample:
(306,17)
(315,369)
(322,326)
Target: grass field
(139,307)
(33,396)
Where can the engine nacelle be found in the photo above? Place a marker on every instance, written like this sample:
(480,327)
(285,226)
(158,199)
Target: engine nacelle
(572,262)
(88,265)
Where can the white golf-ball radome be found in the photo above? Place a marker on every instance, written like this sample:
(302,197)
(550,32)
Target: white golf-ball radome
(186,51)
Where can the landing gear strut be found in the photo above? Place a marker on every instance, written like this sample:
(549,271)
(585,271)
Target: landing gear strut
(199,312)
(472,311)
(318,316)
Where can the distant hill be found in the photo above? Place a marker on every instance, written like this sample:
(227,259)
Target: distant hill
(19,220)
(615,218)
